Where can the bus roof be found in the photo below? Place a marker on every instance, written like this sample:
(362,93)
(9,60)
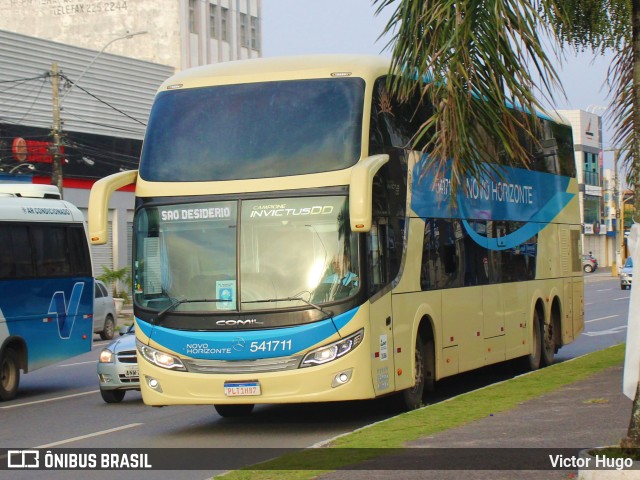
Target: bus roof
(292,68)
(20,209)
(278,68)
(29,190)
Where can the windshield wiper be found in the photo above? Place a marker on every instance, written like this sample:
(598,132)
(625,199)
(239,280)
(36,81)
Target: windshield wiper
(180,301)
(328,313)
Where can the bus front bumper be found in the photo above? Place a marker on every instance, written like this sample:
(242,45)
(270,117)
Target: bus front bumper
(347,378)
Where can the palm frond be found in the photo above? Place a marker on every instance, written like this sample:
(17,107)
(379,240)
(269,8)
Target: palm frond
(477,58)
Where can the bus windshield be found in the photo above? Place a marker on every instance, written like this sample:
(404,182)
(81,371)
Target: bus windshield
(255,130)
(290,252)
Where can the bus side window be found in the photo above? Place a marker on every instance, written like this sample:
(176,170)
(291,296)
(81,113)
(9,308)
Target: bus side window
(22,251)
(7,262)
(378,237)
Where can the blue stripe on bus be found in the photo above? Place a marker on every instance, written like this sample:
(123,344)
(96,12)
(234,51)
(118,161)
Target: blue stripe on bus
(246,344)
(515,194)
(51,315)
(524,233)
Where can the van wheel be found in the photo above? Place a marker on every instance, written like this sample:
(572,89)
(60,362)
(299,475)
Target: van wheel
(240,410)
(109,328)
(10,371)
(112,396)
(411,398)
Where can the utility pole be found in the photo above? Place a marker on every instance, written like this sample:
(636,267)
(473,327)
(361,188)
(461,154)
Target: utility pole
(618,193)
(56,167)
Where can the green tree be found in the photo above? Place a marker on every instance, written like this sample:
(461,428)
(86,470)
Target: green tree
(481,56)
(114,277)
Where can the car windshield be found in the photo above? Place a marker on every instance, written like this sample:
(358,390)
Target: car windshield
(628,263)
(289,252)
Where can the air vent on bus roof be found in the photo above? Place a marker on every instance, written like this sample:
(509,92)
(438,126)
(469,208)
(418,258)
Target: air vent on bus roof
(29,190)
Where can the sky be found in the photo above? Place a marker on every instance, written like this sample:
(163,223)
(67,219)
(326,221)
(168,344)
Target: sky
(294,27)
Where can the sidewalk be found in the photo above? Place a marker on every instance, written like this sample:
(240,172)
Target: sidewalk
(589,413)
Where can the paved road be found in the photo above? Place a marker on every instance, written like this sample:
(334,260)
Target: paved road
(60,406)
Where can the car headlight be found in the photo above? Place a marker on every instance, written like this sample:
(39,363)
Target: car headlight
(160,359)
(330,352)
(106,356)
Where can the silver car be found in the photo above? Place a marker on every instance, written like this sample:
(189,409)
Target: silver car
(104,311)
(118,367)
(626,274)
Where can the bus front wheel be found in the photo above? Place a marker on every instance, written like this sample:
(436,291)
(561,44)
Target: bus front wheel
(10,371)
(411,398)
(239,410)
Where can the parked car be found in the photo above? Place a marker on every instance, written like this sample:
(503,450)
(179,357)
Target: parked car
(118,367)
(104,311)
(626,274)
(589,263)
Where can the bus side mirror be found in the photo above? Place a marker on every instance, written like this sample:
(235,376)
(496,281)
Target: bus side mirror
(99,203)
(361,191)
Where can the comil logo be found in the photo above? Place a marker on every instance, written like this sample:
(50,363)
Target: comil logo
(23,459)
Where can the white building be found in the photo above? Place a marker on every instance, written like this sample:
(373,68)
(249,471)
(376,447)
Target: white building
(598,233)
(179,33)
(113,56)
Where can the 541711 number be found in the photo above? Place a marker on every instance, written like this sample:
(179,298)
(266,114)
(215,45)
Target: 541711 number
(271,346)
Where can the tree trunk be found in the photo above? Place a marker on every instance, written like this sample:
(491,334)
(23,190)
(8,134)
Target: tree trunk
(633,435)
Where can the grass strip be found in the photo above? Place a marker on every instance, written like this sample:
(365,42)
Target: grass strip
(394,432)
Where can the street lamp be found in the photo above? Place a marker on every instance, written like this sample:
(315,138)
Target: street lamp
(56,166)
(17,167)
(127,36)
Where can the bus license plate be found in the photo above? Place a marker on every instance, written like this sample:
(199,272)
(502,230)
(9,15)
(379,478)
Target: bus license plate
(242,389)
(131,373)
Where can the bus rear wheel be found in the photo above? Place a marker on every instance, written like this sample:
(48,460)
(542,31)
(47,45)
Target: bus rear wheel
(548,344)
(240,410)
(10,371)
(533,361)
(411,398)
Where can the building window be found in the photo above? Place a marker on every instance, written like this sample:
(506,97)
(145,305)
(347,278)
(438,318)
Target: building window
(224,21)
(244,38)
(254,33)
(591,169)
(192,16)
(591,210)
(212,20)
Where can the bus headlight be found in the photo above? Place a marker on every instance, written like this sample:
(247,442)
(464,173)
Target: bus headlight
(330,352)
(160,359)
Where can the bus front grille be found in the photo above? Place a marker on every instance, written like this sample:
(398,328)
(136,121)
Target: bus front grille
(263,365)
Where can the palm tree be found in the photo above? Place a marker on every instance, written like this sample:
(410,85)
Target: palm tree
(482,56)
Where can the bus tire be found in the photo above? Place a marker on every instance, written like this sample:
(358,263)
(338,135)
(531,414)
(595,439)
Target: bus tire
(112,396)
(108,329)
(533,361)
(239,410)
(411,398)
(548,344)
(10,372)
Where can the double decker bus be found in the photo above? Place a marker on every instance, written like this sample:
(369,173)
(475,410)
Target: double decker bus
(46,282)
(289,248)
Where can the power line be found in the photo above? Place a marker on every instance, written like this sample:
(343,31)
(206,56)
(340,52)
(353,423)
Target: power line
(102,101)
(22,80)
